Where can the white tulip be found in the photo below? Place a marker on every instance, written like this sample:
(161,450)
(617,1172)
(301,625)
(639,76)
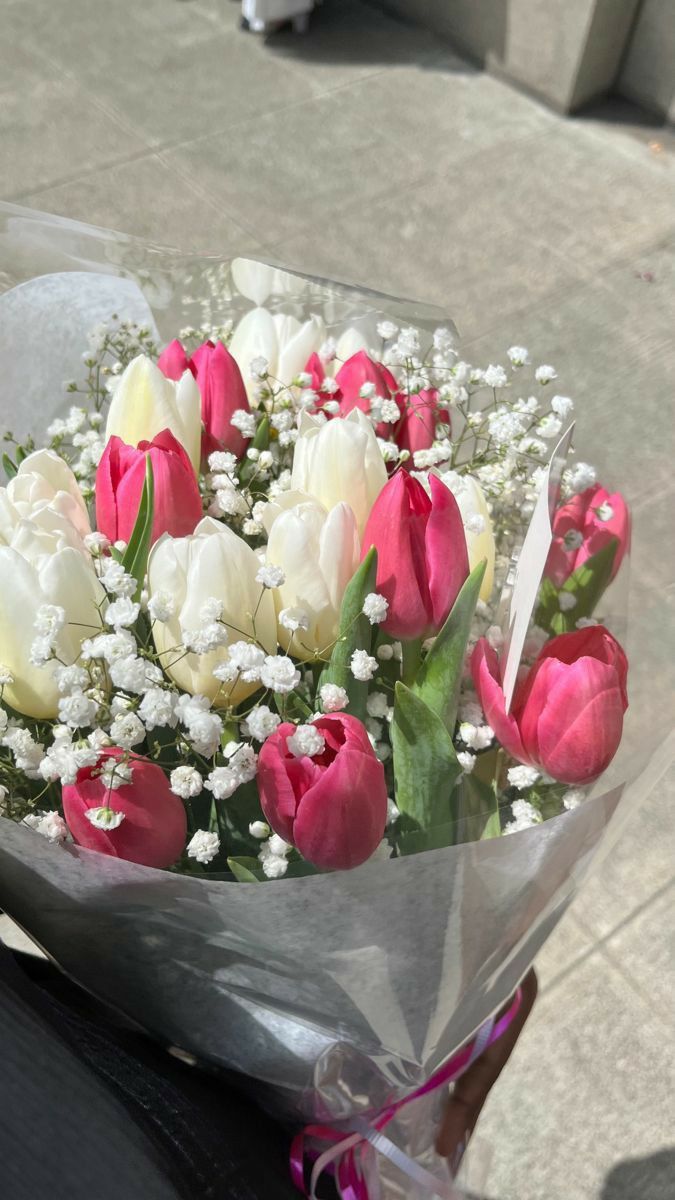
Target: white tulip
(40,565)
(281,340)
(318,552)
(145,402)
(43,490)
(351,341)
(213,562)
(480,538)
(338,461)
(257,280)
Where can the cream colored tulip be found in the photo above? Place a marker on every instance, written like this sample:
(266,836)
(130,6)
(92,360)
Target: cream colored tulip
(257,280)
(350,342)
(283,341)
(213,562)
(318,552)
(338,461)
(480,538)
(145,402)
(44,490)
(44,563)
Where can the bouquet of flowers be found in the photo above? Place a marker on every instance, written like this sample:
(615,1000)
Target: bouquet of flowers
(294,596)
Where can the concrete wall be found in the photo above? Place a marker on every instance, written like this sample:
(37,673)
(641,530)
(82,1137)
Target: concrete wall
(648,73)
(565,51)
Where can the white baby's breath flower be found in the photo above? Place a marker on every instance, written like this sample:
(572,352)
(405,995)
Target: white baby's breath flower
(307,740)
(115,774)
(77,710)
(186,782)
(96,542)
(518,356)
(562,406)
(293,618)
(573,798)
(362,665)
(261,722)
(122,613)
(279,673)
(104,817)
(522,776)
(495,376)
(203,846)
(270,576)
(48,824)
(525,815)
(161,606)
(115,579)
(333,698)
(566,601)
(375,608)
(545,373)
(378,705)
(259,829)
(157,709)
(467,761)
(127,730)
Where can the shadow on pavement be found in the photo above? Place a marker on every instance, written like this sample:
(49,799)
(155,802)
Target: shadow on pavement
(648,1178)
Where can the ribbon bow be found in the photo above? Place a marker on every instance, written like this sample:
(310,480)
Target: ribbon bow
(347,1157)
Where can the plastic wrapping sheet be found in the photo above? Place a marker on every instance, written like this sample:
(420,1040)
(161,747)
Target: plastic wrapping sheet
(335,994)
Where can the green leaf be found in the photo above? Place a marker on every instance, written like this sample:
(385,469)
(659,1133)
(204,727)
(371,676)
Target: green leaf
(245,870)
(587,584)
(417,840)
(477,811)
(21,453)
(260,441)
(9,467)
(135,557)
(425,762)
(356,633)
(439,678)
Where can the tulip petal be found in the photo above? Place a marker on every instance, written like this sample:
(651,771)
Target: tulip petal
(487,682)
(447,559)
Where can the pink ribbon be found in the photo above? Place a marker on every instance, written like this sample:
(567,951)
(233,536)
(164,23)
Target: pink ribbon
(346,1156)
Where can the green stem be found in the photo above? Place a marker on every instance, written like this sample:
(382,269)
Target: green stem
(412,657)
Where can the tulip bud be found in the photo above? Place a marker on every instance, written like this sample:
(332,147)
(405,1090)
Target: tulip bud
(44,490)
(43,560)
(422,559)
(567,714)
(281,340)
(174,362)
(153,826)
(145,402)
(211,563)
(222,392)
(119,484)
(360,369)
(332,805)
(582,527)
(420,416)
(480,538)
(339,461)
(318,553)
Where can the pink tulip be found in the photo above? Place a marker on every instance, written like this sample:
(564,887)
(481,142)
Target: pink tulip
(222,391)
(582,527)
(221,388)
(314,367)
(417,428)
(567,714)
(356,371)
(422,555)
(119,483)
(332,807)
(154,827)
(174,362)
